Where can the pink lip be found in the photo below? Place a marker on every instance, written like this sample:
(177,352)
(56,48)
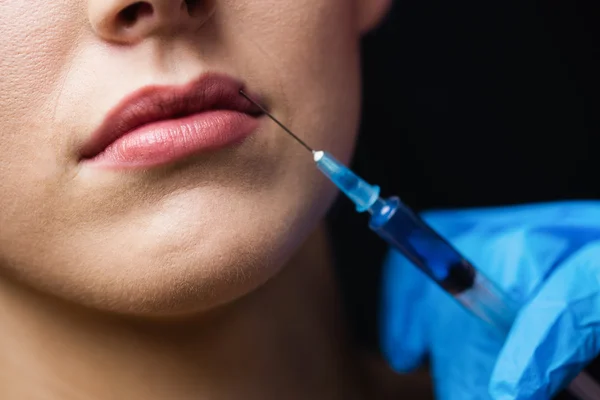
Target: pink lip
(158,124)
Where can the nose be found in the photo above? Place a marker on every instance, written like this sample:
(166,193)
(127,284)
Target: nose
(129,21)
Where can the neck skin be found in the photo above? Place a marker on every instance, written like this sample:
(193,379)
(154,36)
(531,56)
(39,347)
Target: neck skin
(285,341)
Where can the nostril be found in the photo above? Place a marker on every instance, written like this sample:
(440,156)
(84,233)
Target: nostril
(191,5)
(134,12)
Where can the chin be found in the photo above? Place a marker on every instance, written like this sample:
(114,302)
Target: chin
(156,276)
(173,283)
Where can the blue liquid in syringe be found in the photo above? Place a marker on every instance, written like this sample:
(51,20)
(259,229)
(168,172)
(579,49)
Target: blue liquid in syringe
(405,231)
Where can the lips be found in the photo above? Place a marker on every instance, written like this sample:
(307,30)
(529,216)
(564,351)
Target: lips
(160,124)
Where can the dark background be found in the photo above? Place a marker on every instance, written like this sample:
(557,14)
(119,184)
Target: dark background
(470,103)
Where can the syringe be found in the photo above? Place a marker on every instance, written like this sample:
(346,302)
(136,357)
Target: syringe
(405,231)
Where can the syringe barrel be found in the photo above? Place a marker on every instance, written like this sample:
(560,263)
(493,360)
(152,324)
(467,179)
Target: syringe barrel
(409,234)
(422,245)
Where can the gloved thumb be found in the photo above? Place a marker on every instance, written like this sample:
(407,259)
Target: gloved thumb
(404,330)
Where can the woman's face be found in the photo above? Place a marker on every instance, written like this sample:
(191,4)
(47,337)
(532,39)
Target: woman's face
(184,233)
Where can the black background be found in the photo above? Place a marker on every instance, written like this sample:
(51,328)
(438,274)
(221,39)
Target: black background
(470,103)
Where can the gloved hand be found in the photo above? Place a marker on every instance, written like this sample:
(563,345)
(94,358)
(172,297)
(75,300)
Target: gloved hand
(547,257)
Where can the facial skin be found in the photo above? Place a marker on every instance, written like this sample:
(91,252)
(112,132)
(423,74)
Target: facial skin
(189,236)
(85,251)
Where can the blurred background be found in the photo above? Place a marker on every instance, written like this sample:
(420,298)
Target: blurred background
(470,103)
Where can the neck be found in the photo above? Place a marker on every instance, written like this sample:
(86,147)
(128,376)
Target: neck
(283,341)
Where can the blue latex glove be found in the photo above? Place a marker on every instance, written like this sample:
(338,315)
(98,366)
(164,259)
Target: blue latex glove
(545,256)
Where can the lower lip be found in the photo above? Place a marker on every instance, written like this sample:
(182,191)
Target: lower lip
(167,141)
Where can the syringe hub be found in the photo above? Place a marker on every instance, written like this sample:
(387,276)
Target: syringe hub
(360,192)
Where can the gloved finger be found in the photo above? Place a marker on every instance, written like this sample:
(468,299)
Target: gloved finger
(404,330)
(556,334)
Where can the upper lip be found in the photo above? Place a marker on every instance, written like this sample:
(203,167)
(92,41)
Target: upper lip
(157,103)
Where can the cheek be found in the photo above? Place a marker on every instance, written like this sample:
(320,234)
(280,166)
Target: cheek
(37,39)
